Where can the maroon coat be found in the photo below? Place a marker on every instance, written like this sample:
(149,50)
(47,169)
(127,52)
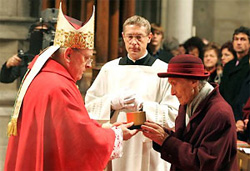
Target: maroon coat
(209,140)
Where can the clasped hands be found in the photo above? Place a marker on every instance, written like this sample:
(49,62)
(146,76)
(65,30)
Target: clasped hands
(126,99)
(241,125)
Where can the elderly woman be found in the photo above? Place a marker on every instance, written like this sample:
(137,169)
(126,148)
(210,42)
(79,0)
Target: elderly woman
(205,132)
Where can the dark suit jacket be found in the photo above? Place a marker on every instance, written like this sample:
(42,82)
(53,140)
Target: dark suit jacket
(162,54)
(232,81)
(8,75)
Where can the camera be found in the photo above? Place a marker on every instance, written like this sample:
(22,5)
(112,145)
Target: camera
(48,38)
(26,57)
(21,54)
(41,35)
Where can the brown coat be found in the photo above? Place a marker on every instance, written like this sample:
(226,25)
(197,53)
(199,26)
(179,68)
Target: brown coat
(209,140)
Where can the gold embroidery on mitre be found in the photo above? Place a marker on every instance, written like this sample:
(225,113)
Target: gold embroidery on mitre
(74,39)
(67,35)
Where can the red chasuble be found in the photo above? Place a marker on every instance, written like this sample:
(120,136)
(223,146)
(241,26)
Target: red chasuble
(54,128)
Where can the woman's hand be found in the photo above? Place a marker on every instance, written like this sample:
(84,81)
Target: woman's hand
(154,131)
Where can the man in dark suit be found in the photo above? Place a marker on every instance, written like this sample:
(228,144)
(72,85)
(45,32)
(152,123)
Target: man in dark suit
(235,74)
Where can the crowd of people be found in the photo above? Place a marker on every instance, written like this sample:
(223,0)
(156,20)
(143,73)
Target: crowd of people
(195,96)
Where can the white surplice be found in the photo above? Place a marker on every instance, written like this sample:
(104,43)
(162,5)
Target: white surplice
(158,103)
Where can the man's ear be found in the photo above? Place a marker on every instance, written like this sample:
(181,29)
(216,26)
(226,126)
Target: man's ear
(67,54)
(123,36)
(150,37)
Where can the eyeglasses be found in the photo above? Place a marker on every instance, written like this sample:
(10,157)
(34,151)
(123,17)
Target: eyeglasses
(130,37)
(87,60)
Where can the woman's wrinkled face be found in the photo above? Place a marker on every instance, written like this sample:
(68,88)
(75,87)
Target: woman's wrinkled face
(183,89)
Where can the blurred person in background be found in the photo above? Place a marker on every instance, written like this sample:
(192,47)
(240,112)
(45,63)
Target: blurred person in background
(41,35)
(194,46)
(227,52)
(243,126)
(171,44)
(241,109)
(181,49)
(210,60)
(246,118)
(155,46)
(236,74)
(219,71)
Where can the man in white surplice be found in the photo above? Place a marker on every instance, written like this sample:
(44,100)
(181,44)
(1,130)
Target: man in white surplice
(130,84)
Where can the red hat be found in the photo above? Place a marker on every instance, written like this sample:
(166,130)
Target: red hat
(185,66)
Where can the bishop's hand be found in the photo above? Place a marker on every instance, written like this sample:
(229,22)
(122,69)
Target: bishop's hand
(127,133)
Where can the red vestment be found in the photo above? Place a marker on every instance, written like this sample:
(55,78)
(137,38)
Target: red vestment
(54,128)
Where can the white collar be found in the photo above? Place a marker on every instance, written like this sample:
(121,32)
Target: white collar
(139,58)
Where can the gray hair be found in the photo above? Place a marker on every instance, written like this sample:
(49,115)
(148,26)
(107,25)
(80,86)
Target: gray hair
(139,21)
(170,43)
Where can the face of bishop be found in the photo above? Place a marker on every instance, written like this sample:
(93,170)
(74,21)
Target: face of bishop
(77,61)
